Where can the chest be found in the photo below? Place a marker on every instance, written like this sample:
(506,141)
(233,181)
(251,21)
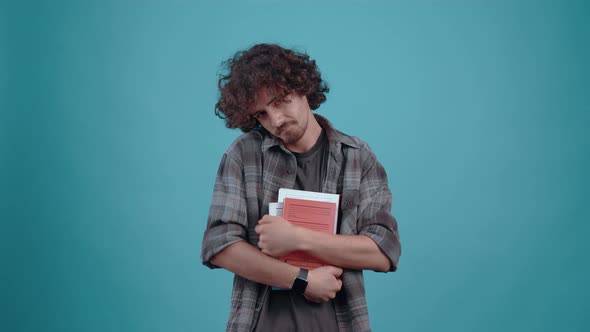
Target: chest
(273,170)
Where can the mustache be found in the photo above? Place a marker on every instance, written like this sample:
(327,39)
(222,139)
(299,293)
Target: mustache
(282,127)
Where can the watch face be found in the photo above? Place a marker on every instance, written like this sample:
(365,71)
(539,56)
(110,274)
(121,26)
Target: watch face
(299,285)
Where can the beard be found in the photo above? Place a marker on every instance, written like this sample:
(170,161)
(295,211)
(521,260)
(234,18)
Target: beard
(291,133)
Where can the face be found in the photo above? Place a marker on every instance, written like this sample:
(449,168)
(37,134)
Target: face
(284,116)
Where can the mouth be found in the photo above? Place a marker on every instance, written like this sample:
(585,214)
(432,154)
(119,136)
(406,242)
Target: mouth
(281,129)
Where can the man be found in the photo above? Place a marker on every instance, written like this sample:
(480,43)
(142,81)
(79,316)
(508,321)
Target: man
(269,93)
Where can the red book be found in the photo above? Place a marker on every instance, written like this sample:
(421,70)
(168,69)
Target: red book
(316,215)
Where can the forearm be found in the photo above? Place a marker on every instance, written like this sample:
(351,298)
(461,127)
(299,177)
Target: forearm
(248,262)
(357,252)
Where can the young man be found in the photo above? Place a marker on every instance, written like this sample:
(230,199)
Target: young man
(269,93)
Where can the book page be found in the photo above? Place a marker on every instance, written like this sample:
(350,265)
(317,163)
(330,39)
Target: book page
(275,209)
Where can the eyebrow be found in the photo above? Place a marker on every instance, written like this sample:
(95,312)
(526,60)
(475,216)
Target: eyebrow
(270,102)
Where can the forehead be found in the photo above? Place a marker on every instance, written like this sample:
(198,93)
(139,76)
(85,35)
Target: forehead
(265,96)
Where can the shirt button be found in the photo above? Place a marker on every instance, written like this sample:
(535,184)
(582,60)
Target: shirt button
(290,171)
(344,203)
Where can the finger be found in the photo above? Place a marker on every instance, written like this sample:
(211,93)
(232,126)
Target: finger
(258,229)
(312,298)
(339,284)
(315,300)
(336,271)
(265,220)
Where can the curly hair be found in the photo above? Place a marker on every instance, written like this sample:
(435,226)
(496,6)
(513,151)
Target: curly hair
(265,66)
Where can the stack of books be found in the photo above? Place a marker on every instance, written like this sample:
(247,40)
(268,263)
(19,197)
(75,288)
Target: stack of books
(317,211)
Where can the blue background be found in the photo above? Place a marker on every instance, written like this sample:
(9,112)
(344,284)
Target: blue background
(477,109)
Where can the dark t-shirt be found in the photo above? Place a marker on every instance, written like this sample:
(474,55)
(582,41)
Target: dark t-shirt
(284,310)
(311,166)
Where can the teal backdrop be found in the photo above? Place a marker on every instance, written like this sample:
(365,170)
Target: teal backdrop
(477,109)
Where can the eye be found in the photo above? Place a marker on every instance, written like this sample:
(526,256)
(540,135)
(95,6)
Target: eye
(259,115)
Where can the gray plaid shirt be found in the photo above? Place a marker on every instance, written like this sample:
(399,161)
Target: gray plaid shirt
(250,174)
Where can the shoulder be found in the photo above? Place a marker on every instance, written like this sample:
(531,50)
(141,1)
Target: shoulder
(352,143)
(245,145)
(338,137)
(358,152)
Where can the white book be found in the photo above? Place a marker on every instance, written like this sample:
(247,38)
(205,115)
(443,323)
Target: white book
(275,209)
(309,195)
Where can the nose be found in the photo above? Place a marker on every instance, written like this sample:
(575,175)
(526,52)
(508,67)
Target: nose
(277,118)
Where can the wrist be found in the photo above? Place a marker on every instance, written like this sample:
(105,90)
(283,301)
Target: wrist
(287,282)
(301,238)
(300,282)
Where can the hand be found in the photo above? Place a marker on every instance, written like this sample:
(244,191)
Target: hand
(276,236)
(323,283)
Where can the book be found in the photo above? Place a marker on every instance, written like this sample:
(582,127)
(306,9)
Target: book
(317,211)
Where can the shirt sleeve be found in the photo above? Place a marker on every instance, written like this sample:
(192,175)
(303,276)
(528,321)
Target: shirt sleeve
(227,222)
(375,218)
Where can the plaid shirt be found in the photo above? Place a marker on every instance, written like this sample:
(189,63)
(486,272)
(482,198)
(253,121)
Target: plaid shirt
(251,172)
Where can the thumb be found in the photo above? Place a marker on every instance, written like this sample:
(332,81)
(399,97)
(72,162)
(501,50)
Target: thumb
(265,220)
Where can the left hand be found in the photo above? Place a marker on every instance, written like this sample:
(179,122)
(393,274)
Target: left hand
(276,236)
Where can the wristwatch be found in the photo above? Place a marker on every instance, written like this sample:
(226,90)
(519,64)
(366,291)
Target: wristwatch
(300,283)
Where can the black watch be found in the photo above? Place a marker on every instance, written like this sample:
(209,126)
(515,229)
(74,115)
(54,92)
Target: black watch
(300,283)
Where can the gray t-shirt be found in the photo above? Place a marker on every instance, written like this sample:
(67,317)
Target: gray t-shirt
(311,166)
(284,310)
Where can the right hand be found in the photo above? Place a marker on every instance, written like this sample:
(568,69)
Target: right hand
(323,283)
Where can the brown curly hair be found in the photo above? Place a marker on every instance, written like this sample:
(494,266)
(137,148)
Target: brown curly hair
(265,66)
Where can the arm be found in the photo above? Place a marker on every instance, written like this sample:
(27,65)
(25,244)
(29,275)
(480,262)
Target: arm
(247,261)
(244,260)
(348,251)
(278,237)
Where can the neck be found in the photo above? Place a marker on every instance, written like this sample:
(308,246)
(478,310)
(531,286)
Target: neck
(310,137)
